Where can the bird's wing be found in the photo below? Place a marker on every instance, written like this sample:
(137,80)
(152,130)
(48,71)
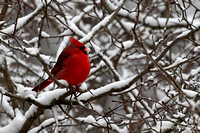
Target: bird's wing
(59,64)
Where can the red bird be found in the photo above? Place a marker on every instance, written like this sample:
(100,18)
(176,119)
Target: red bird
(73,65)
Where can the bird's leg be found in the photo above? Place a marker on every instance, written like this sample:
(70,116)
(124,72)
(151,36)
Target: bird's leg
(77,87)
(73,90)
(78,90)
(70,88)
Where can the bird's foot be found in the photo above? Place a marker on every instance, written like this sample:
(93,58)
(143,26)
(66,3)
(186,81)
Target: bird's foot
(74,91)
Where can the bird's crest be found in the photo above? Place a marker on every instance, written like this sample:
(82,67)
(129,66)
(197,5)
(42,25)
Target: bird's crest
(76,42)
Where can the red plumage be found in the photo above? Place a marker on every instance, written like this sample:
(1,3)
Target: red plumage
(73,65)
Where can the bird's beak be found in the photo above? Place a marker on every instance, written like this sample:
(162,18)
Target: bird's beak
(86,50)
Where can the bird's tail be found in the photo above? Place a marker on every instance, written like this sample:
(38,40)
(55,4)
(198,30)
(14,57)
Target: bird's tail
(42,85)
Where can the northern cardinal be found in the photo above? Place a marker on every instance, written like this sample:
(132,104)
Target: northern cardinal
(73,65)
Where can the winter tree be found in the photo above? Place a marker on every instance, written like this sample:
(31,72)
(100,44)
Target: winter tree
(144,66)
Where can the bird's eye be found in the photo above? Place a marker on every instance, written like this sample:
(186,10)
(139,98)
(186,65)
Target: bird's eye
(84,49)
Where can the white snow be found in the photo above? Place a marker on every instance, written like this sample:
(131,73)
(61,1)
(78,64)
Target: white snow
(45,123)
(15,125)
(83,86)
(195,71)
(6,106)
(30,112)
(197,49)
(109,63)
(184,33)
(115,85)
(169,43)
(3,48)
(159,105)
(24,91)
(55,94)
(55,113)
(187,130)
(152,21)
(196,24)
(150,78)
(72,25)
(96,48)
(128,44)
(96,28)
(163,125)
(45,58)
(88,119)
(22,21)
(189,93)
(32,51)
(178,61)
(185,103)
(136,56)
(179,115)
(103,122)
(33,40)
(98,108)
(44,34)
(185,76)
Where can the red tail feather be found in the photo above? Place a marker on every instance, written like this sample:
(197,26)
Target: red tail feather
(42,85)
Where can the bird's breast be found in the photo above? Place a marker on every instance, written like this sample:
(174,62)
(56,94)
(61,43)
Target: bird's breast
(75,69)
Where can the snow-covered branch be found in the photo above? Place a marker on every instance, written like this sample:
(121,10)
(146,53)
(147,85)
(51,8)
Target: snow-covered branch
(144,59)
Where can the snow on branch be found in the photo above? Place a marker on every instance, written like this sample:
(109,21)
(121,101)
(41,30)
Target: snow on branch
(151,21)
(144,61)
(21,22)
